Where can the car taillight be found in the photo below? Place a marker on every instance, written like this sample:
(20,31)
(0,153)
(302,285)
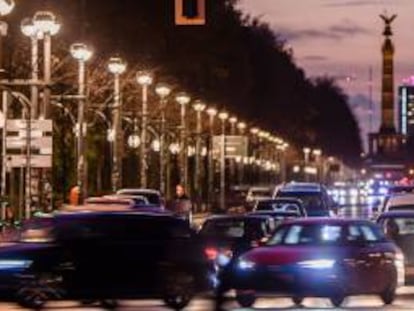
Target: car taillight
(211,253)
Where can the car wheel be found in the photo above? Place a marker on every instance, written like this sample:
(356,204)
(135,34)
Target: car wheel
(109,304)
(178,289)
(35,293)
(388,295)
(337,297)
(298,300)
(245,300)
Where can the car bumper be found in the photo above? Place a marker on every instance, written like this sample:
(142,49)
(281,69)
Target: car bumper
(286,280)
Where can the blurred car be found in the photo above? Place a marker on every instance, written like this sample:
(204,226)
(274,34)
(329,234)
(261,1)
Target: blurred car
(399,227)
(314,197)
(225,237)
(153,196)
(322,257)
(105,256)
(255,194)
(281,204)
(399,202)
(279,216)
(140,203)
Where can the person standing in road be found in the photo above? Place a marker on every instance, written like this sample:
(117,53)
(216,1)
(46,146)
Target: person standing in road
(182,205)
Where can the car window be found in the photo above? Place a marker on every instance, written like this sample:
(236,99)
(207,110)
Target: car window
(309,234)
(228,228)
(312,201)
(401,207)
(372,233)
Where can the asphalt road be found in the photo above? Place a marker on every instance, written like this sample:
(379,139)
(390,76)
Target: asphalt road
(362,303)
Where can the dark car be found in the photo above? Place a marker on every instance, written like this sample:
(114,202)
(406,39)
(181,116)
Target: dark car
(321,257)
(281,204)
(399,227)
(105,256)
(315,197)
(278,216)
(225,237)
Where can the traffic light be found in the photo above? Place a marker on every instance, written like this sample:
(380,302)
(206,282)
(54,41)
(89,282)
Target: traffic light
(190,12)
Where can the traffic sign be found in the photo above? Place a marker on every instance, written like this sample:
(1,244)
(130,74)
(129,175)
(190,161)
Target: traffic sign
(35,125)
(36,161)
(236,146)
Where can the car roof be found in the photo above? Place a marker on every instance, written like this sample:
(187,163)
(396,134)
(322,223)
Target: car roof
(302,187)
(401,199)
(397,213)
(282,199)
(275,213)
(327,221)
(111,213)
(236,217)
(140,190)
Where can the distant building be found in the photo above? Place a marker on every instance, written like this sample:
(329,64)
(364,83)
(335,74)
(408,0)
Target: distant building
(406,110)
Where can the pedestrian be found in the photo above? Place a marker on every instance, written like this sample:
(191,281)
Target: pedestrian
(182,205)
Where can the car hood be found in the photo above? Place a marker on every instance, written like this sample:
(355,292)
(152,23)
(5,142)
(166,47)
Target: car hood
(284,255)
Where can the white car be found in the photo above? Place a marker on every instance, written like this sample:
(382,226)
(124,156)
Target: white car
(255,194)
(399,202)
(153,196)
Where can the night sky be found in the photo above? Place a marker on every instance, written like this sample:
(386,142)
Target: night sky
(342,38)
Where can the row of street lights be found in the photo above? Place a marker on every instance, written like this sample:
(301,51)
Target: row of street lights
(43,26)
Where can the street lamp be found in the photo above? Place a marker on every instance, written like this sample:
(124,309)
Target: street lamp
(211,112)
(82,54)
(163,91)
(6,6)
(241,126)
(183,100)
(144,79)
(223,116)
(117,67)
(199,107)
(47,26)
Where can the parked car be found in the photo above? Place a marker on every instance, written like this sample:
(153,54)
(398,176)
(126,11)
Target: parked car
(281,204)
(323,257)
(140,203)
(314,197)
(105,256)
(399,227)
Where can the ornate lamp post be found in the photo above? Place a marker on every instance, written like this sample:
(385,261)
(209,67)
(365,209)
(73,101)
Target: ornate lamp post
(163,91)
(223,116)
(47,25)
(241,126)
(183,100)
(6,6)
(117,67)
(144,79)
(82,54)
(212,112)
(199,107)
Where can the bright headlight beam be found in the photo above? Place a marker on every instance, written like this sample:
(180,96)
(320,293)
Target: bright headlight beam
(317,264)
(244,264)
(14,264)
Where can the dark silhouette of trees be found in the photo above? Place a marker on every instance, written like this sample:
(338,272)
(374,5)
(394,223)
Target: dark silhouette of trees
(234,61)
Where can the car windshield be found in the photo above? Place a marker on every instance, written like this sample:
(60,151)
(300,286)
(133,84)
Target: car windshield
(311,200)
(152,198)
(325,234)
(401,207)
(275,205)
(226,228)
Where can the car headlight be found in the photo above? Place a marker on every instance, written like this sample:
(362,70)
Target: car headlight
(244,264)
(317,264)
(224,258)
(6,264)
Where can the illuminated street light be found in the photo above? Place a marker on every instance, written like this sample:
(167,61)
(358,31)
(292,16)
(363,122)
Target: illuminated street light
(46,25)
(6,6)
(183,100)
(144,79)
(242,127)
(212,113)
(82,54)
(199,107)
(163,90)
(117,67)
(223,116)
(134,141)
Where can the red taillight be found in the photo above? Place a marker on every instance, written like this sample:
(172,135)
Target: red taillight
(211,253)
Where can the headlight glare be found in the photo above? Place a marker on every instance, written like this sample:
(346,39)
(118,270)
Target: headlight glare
(317,264)
(245,264)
